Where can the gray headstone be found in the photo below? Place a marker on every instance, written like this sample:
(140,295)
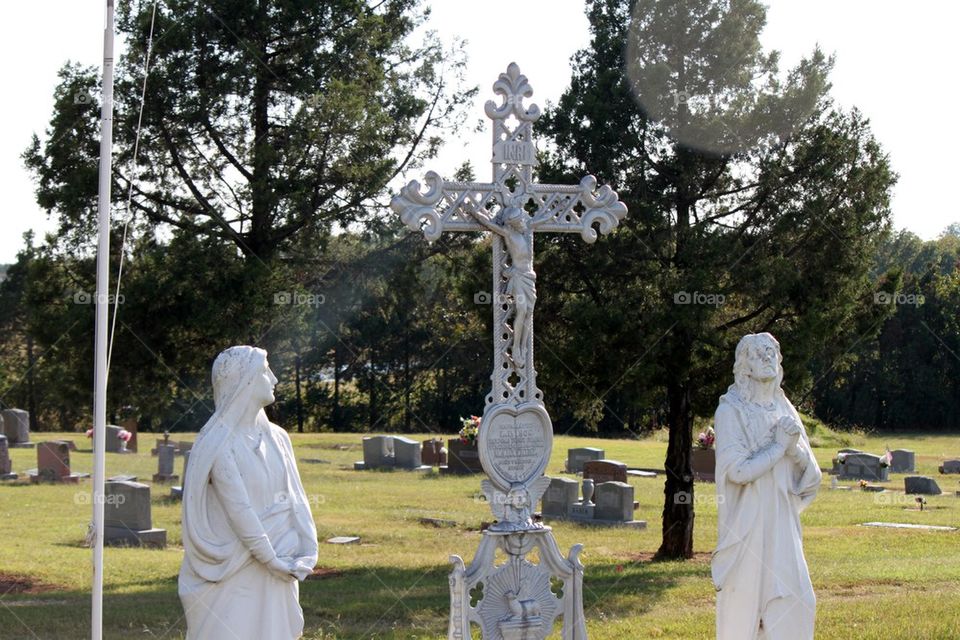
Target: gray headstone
(186,460)
(921,485)
(166,456)
(126,513)
(112,443)
(576,457)
(127,505)
(580,511)
(561,493)
(902,461)
(950,466)
(614,501)
(378,452)
(864,466)
(406,453)
(16,425)
(5,466)
(836,462)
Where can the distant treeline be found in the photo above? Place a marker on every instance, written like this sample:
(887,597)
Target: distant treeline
(396,338)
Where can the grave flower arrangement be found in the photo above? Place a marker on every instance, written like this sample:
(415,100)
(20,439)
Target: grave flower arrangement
(469,430)
(123,435)
(706,439)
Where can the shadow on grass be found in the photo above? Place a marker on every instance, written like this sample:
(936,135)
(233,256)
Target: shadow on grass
(386,603)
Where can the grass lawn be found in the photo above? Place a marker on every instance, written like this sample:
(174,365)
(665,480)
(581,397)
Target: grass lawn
(870,583)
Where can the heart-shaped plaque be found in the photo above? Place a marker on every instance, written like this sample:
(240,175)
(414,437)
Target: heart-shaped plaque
(515,443)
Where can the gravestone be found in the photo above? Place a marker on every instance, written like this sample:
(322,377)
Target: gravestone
(113,443)
(902,461)
(53,464)
(391,452)
(406,454)
(614,502)
(606,503)
(561,493)
(166,456)
(130,424)
(921,485)
(462,458)
(578,456)
(183,447)
(16,426)
(605,471)
(516,434)
(177,492)
(377,453)
(126,516)
(864,466)
(836,460)
(432,452)
(950,466)
(70,444)
(6,468)
(166,440)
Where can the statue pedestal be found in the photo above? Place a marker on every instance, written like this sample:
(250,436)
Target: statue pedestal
(517,599)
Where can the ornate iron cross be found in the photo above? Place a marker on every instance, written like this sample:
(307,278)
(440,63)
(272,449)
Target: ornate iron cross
(513,207)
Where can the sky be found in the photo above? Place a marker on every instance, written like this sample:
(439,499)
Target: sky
(894,61)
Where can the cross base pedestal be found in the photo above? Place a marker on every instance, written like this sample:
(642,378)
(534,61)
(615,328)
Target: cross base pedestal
(517,600)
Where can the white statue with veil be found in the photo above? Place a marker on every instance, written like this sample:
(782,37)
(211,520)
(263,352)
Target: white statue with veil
(766,475)
(248,533)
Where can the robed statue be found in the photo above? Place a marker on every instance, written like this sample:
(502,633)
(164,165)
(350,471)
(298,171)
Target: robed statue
(248,533)
(766,475)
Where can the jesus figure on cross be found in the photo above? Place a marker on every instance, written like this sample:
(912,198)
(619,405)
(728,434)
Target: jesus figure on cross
(514,228)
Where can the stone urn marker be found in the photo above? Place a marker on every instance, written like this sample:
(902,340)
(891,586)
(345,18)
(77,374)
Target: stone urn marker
(518,599)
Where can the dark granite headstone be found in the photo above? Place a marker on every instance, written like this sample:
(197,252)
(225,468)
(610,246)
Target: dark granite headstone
(921,485)
(605,471)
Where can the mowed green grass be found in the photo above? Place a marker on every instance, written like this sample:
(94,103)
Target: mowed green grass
(870,583)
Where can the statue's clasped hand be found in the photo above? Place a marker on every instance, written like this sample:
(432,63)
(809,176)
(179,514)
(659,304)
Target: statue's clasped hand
(787,435)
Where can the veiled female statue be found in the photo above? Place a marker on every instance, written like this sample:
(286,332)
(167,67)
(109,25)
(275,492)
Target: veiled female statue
(248,534)
(766,475)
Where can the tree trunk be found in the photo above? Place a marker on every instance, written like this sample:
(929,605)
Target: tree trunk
(678,515)
(258,237)
(335,413)
(407,383)
(299,397)
(373,391)
(31,386)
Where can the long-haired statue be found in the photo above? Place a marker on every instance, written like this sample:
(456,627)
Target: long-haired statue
(766,475)
(248,534)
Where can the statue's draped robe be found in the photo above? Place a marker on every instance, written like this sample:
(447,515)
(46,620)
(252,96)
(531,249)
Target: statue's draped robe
(243,504)
(758,567)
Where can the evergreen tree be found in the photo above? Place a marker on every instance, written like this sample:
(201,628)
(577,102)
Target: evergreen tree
(755,205)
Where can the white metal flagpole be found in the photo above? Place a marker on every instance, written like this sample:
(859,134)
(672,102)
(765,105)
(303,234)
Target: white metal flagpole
(100,358)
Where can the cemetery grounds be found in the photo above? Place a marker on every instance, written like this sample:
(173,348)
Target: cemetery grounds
(870,582)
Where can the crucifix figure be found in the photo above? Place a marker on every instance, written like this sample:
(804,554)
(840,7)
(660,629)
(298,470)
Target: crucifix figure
(516,434)
(521,287)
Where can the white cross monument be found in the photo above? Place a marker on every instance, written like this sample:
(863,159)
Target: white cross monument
(517,599)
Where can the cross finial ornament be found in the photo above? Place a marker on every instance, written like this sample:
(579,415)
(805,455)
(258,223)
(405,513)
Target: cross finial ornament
(516,435)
